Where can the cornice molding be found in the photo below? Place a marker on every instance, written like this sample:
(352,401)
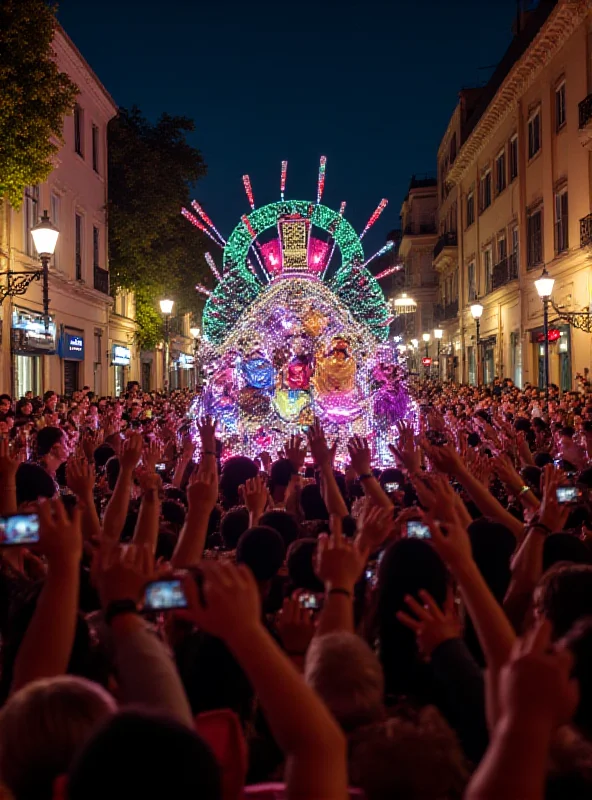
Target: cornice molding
(561,24)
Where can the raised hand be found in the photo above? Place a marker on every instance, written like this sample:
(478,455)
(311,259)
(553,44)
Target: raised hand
(405,451)
(60,536)
(506,472)
(444,458)
(431,624)
(295,452)
(131,452)
(202,491)
(339,564)
(9,462)
(152,455)
(551,513)
(80,477)
(295,626)
(323,454)
(255,496)
(122,571)
(359,453)
(451,542)
(377,525)
(207,433)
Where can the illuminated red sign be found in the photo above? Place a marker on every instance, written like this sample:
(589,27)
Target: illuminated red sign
(427,362)
(552,336)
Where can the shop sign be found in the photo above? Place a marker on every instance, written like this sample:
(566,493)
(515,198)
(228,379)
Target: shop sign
(186,361)
(553,335)
(120,356)
(72,347)
(29,336)
(427,362)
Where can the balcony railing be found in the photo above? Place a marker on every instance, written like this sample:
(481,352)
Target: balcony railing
(586,231)
(446,240)
(419,230)
(101,282)
(446,312)
(585,111)
(504,272)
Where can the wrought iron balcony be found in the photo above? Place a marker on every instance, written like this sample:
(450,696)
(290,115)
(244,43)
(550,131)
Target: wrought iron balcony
(101,282)
(446,240)
(446,312)
(504,272)
(586,231)
(585,111)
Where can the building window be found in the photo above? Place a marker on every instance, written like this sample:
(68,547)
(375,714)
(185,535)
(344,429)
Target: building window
(55,218)
(485,190)
(561,222)
(472,286)
(500,172)
(560,106)
(95,148)
(513,157)
(488,269)
(31,217)
(534,134)
(502,248)
(79,130)
(470,208)
(534,235)
(96,259)
(79,229)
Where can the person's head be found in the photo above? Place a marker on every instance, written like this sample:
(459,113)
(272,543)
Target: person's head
(300,563)
(32,483)
(51,443)
(564,548)
(492,545)
(173,513)
(50,400)
(348,676)
(112,468)
(142,754)
(412,756)
(235,472)
(261,548)
(564,595)
(42,727)
(284,523)
(5,403)
(279,477)
(312,503)
(102,454)
(233,524)
(24,407)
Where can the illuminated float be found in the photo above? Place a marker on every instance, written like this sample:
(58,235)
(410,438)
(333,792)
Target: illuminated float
(289,335)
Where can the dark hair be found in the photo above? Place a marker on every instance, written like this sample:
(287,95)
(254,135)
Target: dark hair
(33,482)
(235,472)
(174,512)
(579,641)
(282,522)
(564,547)
(112,468)
(542,459)
(261,548)
(280,474)
(312,503)
(6,397)
(233,524)
(49,393)
(532,476)
(391,475)
(566,596)
(301,567)
(47,438)
(102,454)
(113,763)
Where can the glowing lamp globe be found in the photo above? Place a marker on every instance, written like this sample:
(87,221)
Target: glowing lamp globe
(45,236)
(544,285)
(438,333)
(195,332)
(476,310)
(166,306)
(415,342)
(404,304)
(426,337)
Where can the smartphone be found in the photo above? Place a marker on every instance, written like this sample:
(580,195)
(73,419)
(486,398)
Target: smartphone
(19,529)
(371,574)
(310,600)
(418,530)
(160,467)
(391,487)
(567,494)
(164,595)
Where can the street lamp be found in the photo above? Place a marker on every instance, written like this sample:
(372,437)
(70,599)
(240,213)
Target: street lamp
(195,333)
(544,286)
(476,313)
(438,334)
(45,237)
(166,308)
(426,339)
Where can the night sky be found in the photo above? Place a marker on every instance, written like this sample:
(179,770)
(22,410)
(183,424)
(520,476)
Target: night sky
(370,84)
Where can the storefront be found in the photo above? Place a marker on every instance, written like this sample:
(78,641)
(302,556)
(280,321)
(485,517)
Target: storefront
(182,371)
(121,357)
(560,369)
(71,351)
(488,359)
(30,341)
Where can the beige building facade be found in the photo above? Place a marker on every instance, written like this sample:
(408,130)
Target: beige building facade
(514,196)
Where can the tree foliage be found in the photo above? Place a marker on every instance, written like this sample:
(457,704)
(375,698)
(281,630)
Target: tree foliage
(34,96)
(153,250)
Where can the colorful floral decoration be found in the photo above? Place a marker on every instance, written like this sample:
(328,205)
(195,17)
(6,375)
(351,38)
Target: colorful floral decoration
(288,335)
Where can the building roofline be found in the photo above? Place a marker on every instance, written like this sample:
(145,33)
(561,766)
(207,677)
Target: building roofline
(59,30)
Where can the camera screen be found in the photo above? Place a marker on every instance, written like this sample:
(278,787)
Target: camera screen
(567,494)
(418,530)
(19,529)
(161,467)
(310,600)
(391,487)
(163,595)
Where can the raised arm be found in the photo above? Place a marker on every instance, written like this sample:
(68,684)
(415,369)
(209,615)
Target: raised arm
(323,456)
(148,522)
(359,454)
(310,738)
(8,467)
(80,478)
(47,645)
(117,508)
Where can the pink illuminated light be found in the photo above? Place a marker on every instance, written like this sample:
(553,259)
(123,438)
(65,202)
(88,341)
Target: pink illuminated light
(194,221)
(207,220)
(377,212)
(249,191)
(271,253)
(283,178)
(318,254)
(321,180)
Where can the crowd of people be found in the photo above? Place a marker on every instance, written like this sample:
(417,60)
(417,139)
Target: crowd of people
(181,622)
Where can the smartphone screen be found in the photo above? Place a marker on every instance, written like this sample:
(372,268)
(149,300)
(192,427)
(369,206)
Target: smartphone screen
(567,494)
(19,529)
(164,595)
(161,467)
(309,600)
(391,487)
(418,530)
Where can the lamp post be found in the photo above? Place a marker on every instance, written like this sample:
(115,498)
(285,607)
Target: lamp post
(476,313)
(544,286)
(195,333)
(166,308)
(438,334)
(45,237)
